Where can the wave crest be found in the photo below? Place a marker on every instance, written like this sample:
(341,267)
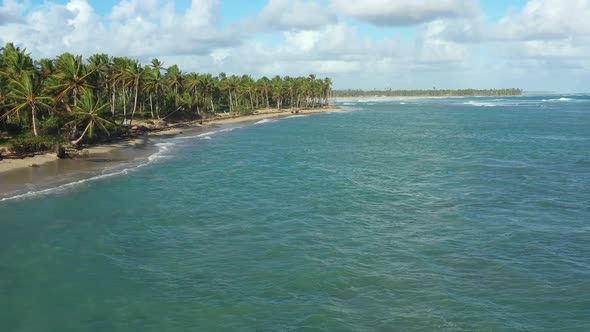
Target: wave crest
(480,104)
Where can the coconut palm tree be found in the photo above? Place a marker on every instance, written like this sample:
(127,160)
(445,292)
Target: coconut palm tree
(87,112)
(192,82)
(209,88)
(135,76)
(278,90)
(265,88)
(26,92)
(72,79)
(174,79)
(231,85)
(15,61)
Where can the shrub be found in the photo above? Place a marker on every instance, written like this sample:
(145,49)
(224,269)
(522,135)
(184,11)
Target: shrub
(32,144)
(50,126)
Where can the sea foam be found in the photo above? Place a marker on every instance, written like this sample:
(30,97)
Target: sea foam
(559,99)
(265,121)
(480,104)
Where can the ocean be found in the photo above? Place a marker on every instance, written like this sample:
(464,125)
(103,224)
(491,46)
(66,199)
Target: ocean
(456,214)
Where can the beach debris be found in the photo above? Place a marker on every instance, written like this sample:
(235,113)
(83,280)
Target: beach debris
(60,151)
(139,128)
(71,152)
(35,166)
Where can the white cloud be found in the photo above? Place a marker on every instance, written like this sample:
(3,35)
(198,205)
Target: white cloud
(134,28)
(280,15)
(452,44)
(333,50)
(546,33)
(433,44)
(404,12)
(544,20)
(11,12)
(127,9)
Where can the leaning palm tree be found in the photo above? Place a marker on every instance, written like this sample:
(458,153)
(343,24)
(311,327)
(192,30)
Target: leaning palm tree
(25,91)
(87,112)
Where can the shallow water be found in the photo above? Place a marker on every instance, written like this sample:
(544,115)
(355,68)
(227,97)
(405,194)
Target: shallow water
(454,214)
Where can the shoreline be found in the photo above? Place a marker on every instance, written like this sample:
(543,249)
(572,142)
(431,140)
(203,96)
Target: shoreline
(45,164)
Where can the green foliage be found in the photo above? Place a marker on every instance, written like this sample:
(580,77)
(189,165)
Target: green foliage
(32,144)
(50,126)
(93,97)
(10,128)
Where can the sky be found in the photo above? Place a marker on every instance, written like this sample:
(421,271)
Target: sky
(536,45)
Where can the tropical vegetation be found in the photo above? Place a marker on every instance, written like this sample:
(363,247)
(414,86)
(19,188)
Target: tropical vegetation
(70,98)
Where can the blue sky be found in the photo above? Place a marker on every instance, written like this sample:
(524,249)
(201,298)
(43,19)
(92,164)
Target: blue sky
(532,44)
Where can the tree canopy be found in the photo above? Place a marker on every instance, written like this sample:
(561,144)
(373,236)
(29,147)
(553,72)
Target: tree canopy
(70,95)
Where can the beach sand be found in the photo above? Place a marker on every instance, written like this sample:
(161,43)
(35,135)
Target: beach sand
(46,170)
(39,160)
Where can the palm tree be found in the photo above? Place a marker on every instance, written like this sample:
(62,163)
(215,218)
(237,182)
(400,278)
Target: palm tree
(326,89)
(154,85)
(87,111)
(135,76)
(15,60)
(99,65)
(72,79)
(174,78)
(265,87)
(119,82)
(231,85)
(157,65)
(278,90)
(192,82)
(209,88)
(25,90)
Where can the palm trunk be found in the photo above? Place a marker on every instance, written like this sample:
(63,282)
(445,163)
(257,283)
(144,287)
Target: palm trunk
(134,103)
(76,142)
(124,107)
(151,106)
(34,122)
(230,102)
(158,109)
(113,101)
(197,101)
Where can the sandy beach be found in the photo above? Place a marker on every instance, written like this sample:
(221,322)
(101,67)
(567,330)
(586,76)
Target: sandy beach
(41,160)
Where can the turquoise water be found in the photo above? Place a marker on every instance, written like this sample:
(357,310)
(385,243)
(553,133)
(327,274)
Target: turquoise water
(447,214)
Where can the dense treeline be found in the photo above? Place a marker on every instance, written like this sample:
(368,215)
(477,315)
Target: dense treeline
(427,93)
(76,99)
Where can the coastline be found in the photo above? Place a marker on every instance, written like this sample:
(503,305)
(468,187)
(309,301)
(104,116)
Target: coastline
(20,174)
